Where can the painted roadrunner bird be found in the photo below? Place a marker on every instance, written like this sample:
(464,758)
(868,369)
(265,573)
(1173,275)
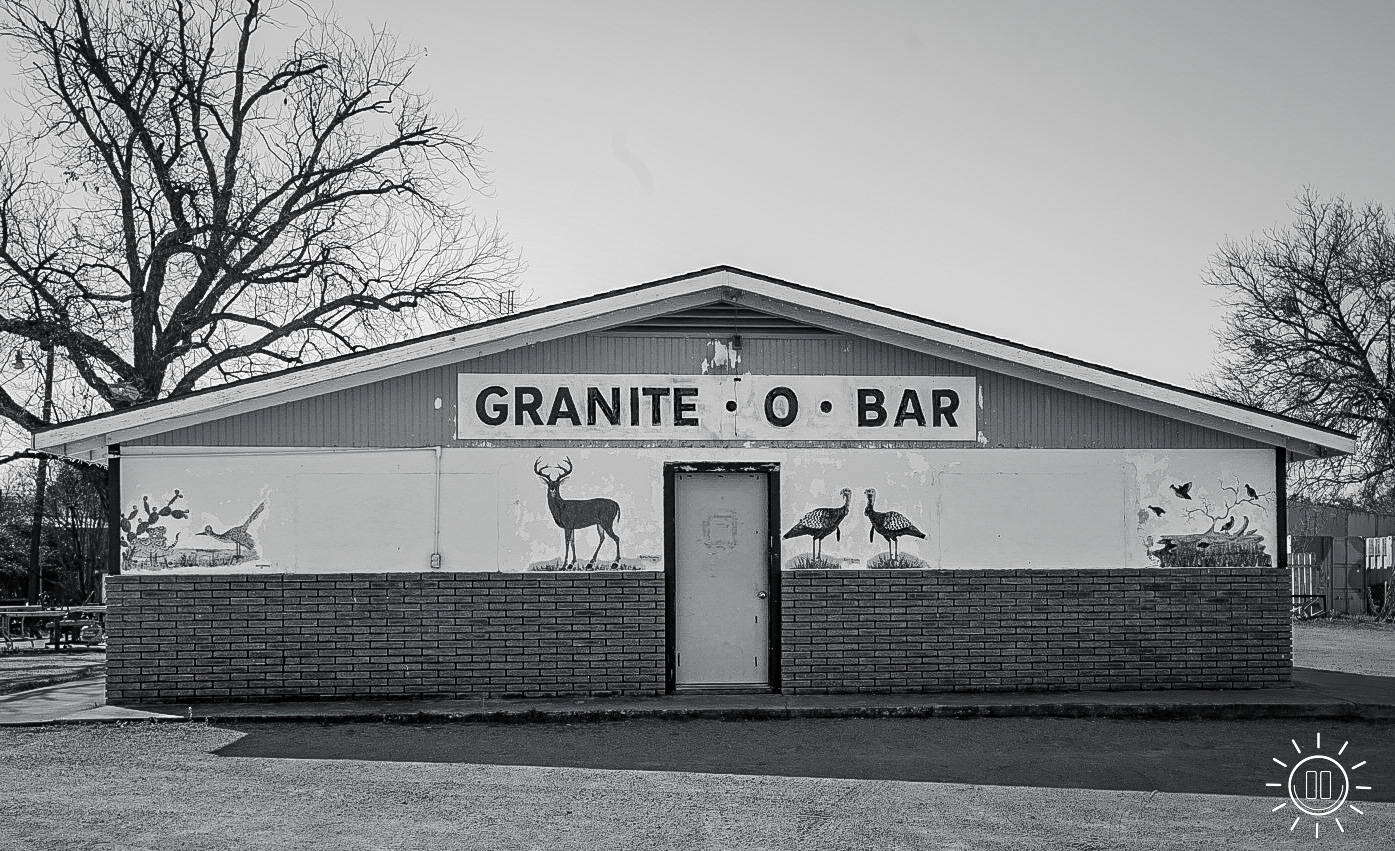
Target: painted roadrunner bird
(237,535)
(889,524)
(820,522)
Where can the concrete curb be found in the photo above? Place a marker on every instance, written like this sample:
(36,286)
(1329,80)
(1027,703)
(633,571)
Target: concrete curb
(1224,712)
(1337,710)
(93,670)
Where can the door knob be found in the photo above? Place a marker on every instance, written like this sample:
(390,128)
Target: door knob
(761,595)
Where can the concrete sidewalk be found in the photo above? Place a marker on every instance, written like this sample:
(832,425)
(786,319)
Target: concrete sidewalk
(1315,694)
(26,671)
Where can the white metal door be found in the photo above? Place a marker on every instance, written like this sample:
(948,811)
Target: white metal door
(722,580)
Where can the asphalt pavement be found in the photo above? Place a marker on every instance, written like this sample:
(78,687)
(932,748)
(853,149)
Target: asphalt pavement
(1200,756)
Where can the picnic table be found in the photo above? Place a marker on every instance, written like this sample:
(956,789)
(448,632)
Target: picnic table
(61,623)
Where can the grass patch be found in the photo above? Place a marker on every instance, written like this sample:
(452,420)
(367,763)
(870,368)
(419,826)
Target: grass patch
(804,561)
(884,561)
(555,566)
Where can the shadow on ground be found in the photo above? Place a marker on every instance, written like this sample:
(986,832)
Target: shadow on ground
(1212,757)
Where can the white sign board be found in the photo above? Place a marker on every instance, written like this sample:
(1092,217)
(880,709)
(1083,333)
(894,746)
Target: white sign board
(717,407)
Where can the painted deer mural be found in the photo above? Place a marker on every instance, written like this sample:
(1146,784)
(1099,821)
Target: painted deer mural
(573,514)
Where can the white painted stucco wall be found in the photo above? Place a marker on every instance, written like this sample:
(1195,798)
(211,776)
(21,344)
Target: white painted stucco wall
(375,510)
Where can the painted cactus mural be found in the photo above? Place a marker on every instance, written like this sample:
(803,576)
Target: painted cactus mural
(143,541)
(146,544)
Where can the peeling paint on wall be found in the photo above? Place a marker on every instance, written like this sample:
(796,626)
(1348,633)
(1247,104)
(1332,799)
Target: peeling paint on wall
(721,358)
(989,508)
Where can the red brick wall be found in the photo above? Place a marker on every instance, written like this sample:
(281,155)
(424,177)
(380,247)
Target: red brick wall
(280,637)
(1019,630)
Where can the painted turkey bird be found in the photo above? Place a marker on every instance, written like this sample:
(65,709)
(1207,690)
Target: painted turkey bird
(889,524)
(820,522)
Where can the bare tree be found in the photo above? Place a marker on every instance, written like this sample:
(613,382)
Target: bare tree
(1308,334)
(78,534)
(73,534)
(204,192)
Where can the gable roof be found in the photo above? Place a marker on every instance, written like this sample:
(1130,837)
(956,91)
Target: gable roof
(637,306)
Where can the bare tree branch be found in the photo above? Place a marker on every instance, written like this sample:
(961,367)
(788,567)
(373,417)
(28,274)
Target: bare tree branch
(26,454)
(1308,334)
(185,206)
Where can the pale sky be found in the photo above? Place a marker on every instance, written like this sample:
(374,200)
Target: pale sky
(1054,173)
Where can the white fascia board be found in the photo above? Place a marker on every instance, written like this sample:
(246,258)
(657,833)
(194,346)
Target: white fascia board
(1004,357)
(465,344)
(89,450)
(622,308)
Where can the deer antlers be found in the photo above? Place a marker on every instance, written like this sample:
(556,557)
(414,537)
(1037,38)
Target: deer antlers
(540,470)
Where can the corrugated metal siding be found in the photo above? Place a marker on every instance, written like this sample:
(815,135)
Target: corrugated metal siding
(732,318)
(401,411)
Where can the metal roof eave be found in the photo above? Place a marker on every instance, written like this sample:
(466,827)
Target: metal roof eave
(93,434)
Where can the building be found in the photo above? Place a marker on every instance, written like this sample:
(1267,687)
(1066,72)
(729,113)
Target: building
(1340,558)
(717,481)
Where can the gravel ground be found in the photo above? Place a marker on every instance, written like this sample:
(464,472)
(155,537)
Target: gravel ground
(1354,647)
(159,786)
(20,667)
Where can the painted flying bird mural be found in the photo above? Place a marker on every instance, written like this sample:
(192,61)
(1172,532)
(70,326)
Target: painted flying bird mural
(238,536)
(1232,535)
(1157,510)
(820,522)
(889,524)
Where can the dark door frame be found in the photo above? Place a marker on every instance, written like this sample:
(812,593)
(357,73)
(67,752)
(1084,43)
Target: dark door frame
(772,471)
